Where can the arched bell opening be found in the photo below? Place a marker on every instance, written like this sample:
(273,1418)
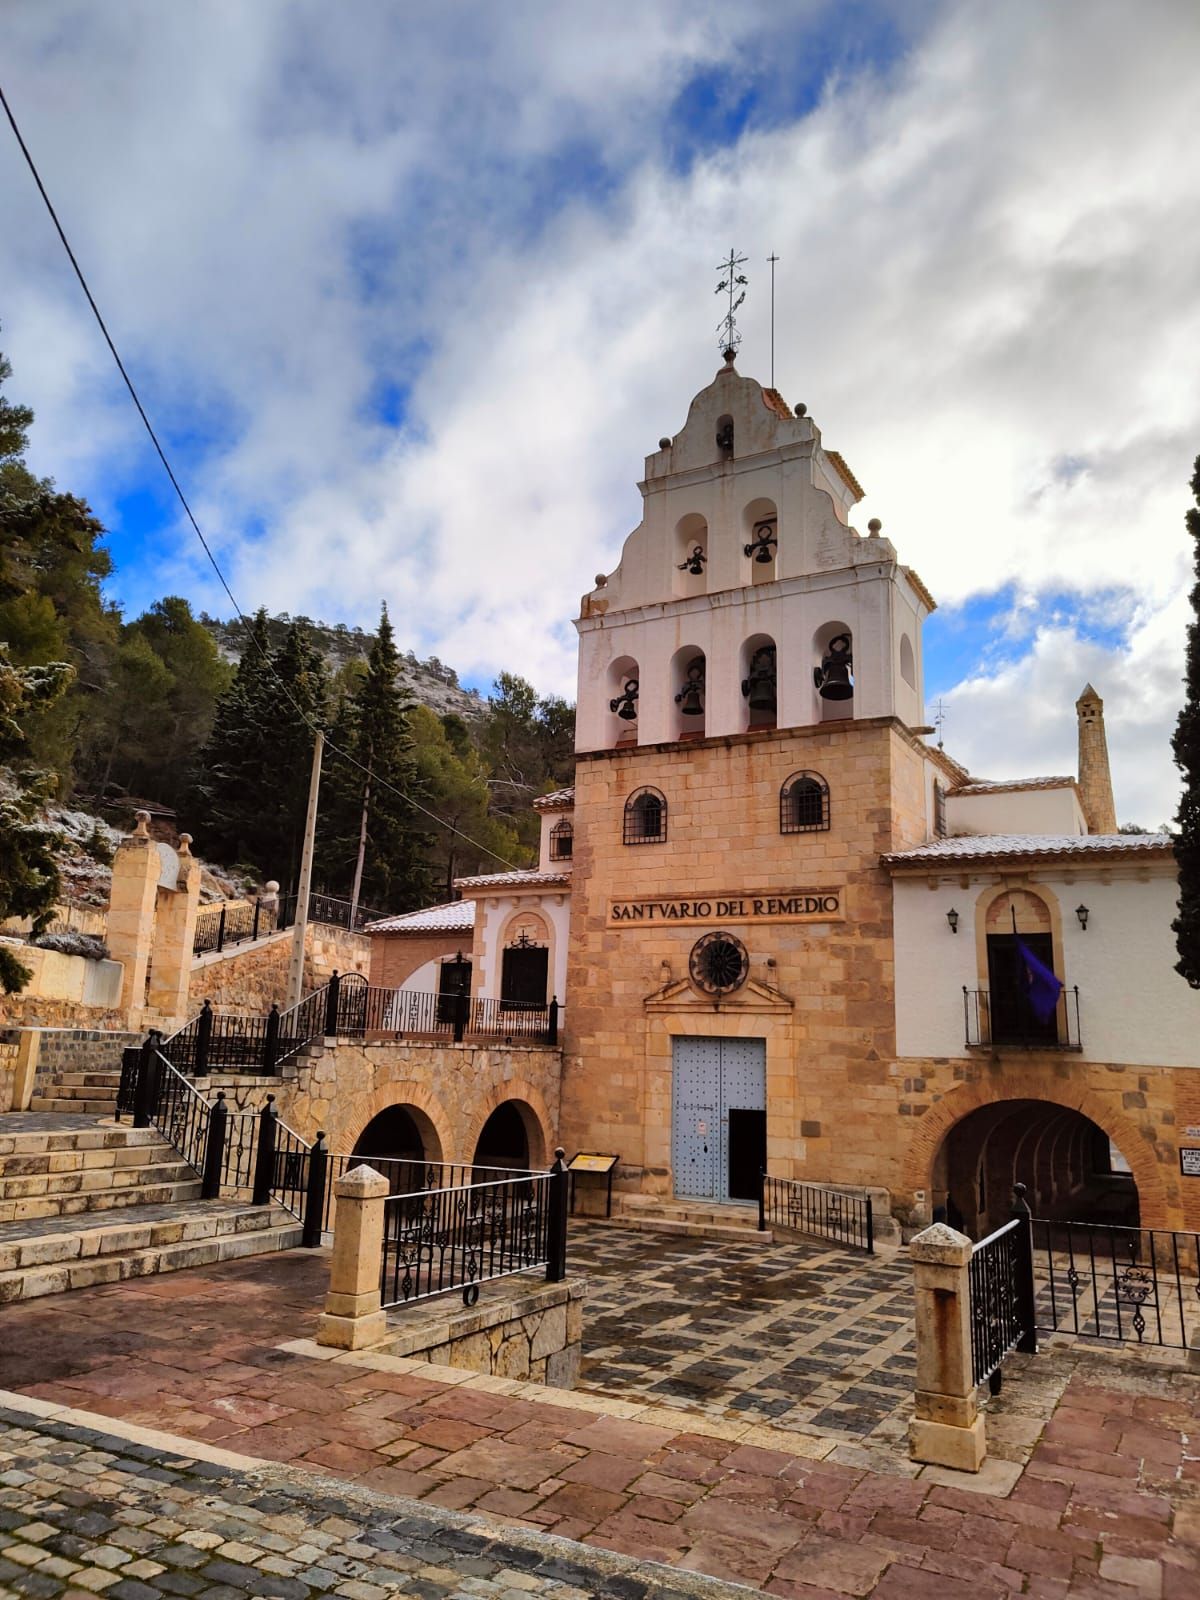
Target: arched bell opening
(1071,1170)
(688,692)
(511,1139)
(760,546)
(622,694)
(759,682)
(833,673)
(399,1142)
(690,564)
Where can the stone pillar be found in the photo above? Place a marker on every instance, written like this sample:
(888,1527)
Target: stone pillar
(1095,779)
(131,898)
(352,1319)
(947,1428)
(174,936)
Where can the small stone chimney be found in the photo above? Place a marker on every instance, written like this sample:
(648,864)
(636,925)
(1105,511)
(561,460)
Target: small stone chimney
(1095,780)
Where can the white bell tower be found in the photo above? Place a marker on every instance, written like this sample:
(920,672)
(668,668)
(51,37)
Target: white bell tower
(744,591)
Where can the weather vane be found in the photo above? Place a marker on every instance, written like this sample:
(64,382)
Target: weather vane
(727,334)
(939,722)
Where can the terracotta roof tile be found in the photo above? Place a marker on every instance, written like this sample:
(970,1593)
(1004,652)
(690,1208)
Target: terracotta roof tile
(1005,846)
(531,879)
(560,800)
(457,916)
(843,471)
(1012,785)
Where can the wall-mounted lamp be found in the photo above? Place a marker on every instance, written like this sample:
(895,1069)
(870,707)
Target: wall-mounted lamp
(952,919)
(1082,913)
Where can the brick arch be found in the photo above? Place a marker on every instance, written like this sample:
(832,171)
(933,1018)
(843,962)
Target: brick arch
(406,1092)
(1028,1084)
(524,1093)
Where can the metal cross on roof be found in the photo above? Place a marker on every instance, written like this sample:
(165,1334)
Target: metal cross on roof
(727,334)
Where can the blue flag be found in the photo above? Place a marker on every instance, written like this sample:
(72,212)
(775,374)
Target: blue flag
(1042,988)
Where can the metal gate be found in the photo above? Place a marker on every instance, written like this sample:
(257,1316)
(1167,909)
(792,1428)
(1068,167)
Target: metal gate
(712,1078)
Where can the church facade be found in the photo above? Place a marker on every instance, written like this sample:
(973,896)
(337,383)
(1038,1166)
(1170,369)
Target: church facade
(787,930)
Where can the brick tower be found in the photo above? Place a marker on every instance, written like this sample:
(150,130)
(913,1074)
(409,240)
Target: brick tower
(1095,780)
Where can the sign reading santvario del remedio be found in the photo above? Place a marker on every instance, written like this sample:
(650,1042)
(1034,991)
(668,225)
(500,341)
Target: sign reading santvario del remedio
(815,905)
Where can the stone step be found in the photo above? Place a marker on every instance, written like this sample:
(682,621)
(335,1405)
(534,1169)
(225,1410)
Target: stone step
(52,1255)
(33,1133)
(91,1180)
(727,1214)
(60,1077)
(30,1163)
(89,1108)
(120,1197)
(106,1089)
(681,1226)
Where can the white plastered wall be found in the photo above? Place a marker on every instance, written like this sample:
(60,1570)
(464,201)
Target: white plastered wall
(1024,811)
(494,914)
(1134,1008)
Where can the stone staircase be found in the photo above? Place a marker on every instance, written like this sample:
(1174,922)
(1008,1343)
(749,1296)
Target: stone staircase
(84,1202)
(91,1093)
(696,1219)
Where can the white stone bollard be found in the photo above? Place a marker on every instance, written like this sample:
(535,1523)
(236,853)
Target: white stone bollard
(353,1318)
(947,1428)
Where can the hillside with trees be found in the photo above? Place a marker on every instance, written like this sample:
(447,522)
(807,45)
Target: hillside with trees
(213,722)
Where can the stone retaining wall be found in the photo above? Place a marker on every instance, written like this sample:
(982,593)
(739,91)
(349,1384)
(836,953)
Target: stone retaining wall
(513,1332)
(248,979)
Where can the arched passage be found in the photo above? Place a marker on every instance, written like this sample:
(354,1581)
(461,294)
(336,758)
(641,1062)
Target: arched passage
(511,1138)
(397,1141)
(1070,1169)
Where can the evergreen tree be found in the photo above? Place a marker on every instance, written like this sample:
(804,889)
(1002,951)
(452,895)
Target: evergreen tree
(1186,745)
(28,875)
(296,701)
(234,763)
(454,778)
(372,834)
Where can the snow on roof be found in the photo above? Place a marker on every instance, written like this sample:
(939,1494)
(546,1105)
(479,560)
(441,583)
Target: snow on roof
(531,879)
(993,846)
(1011,785)
(560,800)
(458,916)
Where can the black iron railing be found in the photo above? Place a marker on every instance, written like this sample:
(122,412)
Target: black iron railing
(414,1014)
(441,1239)
(1006,1021)
(408,1175)
(813,1209)
(228,924)
(327,908)
(1118,1284)
(1000,1279)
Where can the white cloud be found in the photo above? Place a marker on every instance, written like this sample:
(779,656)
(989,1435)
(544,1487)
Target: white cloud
(986,296)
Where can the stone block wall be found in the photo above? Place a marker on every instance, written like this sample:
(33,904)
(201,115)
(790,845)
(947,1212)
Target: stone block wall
(249,978)
(396,958)
(533,1332)
(9,1056)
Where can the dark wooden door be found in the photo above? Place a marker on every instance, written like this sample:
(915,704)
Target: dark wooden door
(524,974)
(1013,1018)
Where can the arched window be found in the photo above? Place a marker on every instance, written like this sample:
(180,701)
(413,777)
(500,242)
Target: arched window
(562,840)
(645,817)
(804,803)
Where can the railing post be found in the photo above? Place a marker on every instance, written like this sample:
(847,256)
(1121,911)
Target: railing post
(271,1042)
(552,1021)
(214,1149)
(1026,1290)
(556,1256)
(254,924)
(143,1097)
(264,1161)
(947,1428)
(353,1318)
(762,1200)
(221,929)
(204,1027)
(461,1012)
(332,993)
(314,1196)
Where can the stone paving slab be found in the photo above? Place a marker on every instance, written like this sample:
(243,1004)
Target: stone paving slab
(223,1355)
(85,1514)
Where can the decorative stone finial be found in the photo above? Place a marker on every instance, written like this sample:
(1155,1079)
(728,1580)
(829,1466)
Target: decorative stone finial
(185,844)
(664,443)
(602,580)
(802,410)
(874,527)
(141,826)
(362,1183)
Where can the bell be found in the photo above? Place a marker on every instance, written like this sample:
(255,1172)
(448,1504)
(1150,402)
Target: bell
(625,704)
(759,687)
(832,677)
(690,698)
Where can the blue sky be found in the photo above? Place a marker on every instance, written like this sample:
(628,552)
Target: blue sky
(409,302)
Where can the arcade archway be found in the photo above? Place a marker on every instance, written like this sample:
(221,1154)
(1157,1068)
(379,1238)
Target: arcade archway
(397,1141)
(510,1138)
(1070,1168)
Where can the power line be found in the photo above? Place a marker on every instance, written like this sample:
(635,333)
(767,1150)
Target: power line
(162,456)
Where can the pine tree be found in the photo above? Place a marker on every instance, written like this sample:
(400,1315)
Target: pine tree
(233,761)
(29,880)
(1186,745)
(373,834)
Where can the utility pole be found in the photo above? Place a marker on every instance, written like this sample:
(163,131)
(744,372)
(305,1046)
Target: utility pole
(295,989)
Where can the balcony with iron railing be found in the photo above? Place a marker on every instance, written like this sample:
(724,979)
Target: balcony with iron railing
(1006,1020)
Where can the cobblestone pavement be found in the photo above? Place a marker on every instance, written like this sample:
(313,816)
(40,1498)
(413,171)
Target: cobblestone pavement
(798,1335)
(84,1515)
(1102,1502)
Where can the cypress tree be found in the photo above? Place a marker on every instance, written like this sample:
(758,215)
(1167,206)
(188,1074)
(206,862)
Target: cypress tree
(1186,746)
